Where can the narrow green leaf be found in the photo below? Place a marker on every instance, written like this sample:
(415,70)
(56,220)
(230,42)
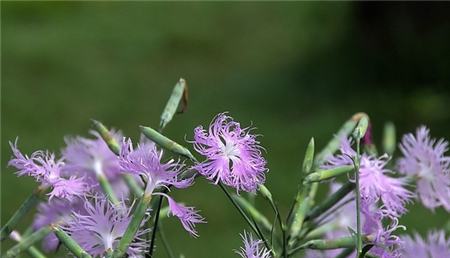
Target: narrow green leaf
(70,243)
(326,174)
(308,160)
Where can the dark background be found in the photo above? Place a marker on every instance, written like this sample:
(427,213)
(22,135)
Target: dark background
(293,70)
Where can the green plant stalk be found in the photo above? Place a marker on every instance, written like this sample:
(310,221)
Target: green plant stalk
(115,148)
(71,244)
(308,162)
(28,241)
(133,226)
(326,174)
(282,228)
(345,253)
(244,215)
(358,201)
(178,91)
(26,206)
(166,143)
(252,211)
(327,244)
(32,251)
(107,188)
(155,225)
(133,185)
(330,201)
(320,231)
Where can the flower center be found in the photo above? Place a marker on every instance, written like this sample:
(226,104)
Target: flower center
(229,149)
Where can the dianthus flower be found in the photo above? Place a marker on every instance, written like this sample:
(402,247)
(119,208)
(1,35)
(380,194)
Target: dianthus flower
(46,170)
(233,155)
(100,227)
(424,158)
(145,161)
(253,248)
(90,158)
(375,182)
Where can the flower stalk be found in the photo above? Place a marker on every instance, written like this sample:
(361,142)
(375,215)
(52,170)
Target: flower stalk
(133,226)
(71,244)
(26,206)
(32,250)
(28,241)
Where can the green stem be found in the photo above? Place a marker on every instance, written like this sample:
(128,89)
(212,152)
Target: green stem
(250,209)
(358,200)
(71,244)
(28,241)
(32,251)
(282,227)
(246,218)
(330,201)
(26,206)
(155,225)
(133,226)
(107,188)
(133,185)
(345,253)
(327,244)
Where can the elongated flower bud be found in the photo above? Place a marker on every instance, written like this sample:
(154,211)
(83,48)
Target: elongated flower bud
(165,142)
(326,174)
(179,93)
(389,139)
(107,136)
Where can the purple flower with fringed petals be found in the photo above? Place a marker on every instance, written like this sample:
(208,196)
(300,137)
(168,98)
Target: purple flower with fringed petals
(386,245)
(44,167)
(436,245)
(375,182)
(89,158)
(101,226)
(253,248)
(56,211)
(424,158)
(145,160)
(233,155)
(188,216)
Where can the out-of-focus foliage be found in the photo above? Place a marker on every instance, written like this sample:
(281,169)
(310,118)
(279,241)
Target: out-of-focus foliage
(294,70)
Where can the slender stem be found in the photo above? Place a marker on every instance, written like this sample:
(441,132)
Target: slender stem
(133,226)
(282,227)
(246,218)
(327,244)
(164,241)
(155,226)
(358,200)
(26,206)
(330,201)
(32,251)
(253,212)
(345,253)
(70,243)
(107,188)
(28,241)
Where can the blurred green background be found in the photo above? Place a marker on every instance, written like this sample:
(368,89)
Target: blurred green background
(293,70)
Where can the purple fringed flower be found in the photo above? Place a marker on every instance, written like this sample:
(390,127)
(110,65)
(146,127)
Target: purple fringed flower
(424,158)
(47,171)
(56,211)
(188,216)
(101,226)
(386,245)
(253,248)
(145,160)
(90,158)
(375,182)
(233,155)
(436,245)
